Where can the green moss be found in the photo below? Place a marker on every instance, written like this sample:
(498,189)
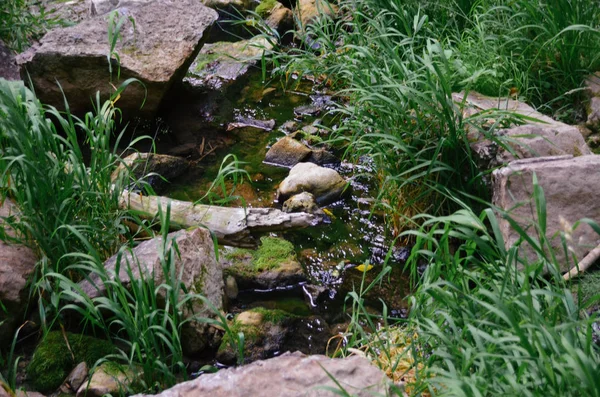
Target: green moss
(203,60)
(274,316)
(52,360)
(265,7)
(272,252)
(237,254)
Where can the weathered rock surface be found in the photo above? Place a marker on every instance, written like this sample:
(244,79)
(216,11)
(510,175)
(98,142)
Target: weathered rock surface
(231,226)
(303,202)
(535,140)
(8,66)
(476,102)
(75,379)
(570,189)
(325,184)
(142,164)
(108,379)
(158,50)
(17,264)
(592,85)
(540,137)
(268,332)
(219,65)
(290,375)
(200,273)
(280,18)
(308,10)
(101,7)
(288,152)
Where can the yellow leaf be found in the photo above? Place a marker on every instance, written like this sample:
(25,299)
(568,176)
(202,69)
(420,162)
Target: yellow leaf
(364,268)
(328,213)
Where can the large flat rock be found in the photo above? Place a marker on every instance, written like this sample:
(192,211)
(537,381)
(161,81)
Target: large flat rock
(289,375)
(157,44)
(221,64)
(569,184)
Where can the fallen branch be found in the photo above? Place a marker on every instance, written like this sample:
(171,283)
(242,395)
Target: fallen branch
(231,226)
(584,264)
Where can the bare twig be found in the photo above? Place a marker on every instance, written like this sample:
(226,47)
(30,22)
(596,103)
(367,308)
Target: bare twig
(584,264)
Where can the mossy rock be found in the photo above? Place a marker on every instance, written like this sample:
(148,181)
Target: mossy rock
(52,360)
(264,333)
(272,265)
(265,7)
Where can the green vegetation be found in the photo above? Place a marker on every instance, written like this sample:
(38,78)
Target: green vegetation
(273,251)
(482,322)
(22,21)
(54,359)
(265,7)
(62,196)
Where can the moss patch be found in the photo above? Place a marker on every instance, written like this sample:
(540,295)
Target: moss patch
(265,7)
(52,360)
(272,252)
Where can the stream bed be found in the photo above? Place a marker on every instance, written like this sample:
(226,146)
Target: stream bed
(333,254)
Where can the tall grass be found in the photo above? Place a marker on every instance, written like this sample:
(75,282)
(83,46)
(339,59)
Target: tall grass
(142,318)
(481,322)
(396,64)
(57,168)
(23,21)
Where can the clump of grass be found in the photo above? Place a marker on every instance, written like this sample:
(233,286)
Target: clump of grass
(23,21)
(60,192)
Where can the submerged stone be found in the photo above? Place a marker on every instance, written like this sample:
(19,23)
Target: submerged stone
(288,152)
(270,331)
(303,202)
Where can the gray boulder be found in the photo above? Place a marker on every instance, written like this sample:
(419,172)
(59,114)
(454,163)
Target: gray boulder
(17,264)
(541,136)
(535,140)
(291,375)
(219,65)
(157,50)
(200,273)
(569,185)
(325,184)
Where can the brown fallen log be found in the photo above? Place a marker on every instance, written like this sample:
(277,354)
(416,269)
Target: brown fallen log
(232,226)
